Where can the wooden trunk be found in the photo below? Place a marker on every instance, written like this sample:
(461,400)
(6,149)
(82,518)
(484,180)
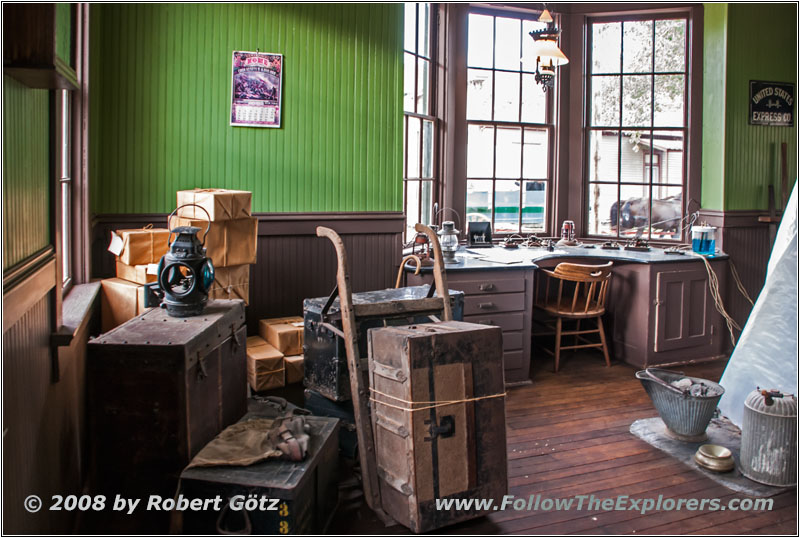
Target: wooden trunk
(159,389)
(307,490)
(427,451)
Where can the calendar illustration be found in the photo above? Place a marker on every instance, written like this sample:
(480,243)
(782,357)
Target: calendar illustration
(256,89)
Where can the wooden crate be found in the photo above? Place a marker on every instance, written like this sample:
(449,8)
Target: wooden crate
(427,451)
(160,388)
(307,490)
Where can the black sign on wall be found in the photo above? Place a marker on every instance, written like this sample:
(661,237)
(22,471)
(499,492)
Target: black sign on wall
(771,103)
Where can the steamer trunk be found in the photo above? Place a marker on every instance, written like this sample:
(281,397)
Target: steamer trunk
(435,451)
(159,389)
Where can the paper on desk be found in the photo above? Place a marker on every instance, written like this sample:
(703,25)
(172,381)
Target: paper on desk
(503,256)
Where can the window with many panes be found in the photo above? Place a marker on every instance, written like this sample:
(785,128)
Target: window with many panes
(637,87)
(509,124)
(419,122)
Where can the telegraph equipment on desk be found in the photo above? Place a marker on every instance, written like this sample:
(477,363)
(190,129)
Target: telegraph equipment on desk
(185,273)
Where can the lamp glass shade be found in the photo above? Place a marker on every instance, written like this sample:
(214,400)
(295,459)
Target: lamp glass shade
(547,49)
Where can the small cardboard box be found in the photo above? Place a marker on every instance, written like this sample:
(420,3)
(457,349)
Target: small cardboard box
(140,246)
(285,334)
(228,243)
(140,274)
(294,369)
(265,365)
(120,301)
(221,204)
(231,283)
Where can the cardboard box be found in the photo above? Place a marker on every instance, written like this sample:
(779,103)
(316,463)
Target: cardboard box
(120,301)
(137,273)
(140,246)
(221,204)
(231,283)
(294,369)
(285,334)
(265,365)
(230,242)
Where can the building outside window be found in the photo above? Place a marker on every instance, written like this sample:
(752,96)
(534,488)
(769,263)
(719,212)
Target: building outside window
(509,123)
(637,87)
(420,181)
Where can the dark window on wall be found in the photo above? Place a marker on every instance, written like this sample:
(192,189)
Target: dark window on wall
(420,181)
(509,125)
(636,137)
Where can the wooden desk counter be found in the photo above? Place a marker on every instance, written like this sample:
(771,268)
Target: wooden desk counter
(660,311)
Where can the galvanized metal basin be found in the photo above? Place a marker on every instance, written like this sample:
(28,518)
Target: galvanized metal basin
(686,417)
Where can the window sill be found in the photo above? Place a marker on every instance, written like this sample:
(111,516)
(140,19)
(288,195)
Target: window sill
(76,310)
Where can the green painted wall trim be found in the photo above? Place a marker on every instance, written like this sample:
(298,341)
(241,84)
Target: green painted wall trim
(26,193)
(715,26)
(161,84)
(762,45)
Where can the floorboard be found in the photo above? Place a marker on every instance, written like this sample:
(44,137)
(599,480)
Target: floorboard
(567,436)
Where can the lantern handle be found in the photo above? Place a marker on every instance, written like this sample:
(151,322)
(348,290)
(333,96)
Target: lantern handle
(208,226)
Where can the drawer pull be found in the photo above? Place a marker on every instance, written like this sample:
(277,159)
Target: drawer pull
(486,287)
(483,306)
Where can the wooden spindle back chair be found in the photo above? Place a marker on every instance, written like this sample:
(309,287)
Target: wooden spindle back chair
(576,292)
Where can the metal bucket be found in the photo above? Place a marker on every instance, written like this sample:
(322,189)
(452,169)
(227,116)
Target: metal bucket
(769,438)
(685,416)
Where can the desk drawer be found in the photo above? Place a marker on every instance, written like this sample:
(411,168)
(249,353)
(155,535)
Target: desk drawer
(512,340)
(513,360)
(503,302)
(507,322)
(487,285)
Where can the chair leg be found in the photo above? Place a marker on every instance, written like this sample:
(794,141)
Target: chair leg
(558,341)
(577,328)
(603,340)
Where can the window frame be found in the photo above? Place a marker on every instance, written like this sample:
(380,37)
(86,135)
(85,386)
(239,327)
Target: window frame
(651,131)
(431,116)
(549,124)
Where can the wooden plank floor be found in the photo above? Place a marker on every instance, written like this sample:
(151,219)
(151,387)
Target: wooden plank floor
(568,434)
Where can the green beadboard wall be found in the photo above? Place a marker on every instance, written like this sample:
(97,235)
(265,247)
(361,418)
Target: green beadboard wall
(64,32)
(762,45)
(161,83)
(26,193)
(715,26)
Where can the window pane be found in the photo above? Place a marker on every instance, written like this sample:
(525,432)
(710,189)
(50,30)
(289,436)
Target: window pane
(669,95)
(636,100)
(634,148)
(480,143)
(424,30)
(479,94)
(534,206)
(534,101)
(480,46)
(408,83)
(637,43)
(666,221)
(423,84)
(535,154)
(66,228)
(671,45)
(427,202)
(479,201)
(410,22)
(413,147)
(606,51)
(528,56)
(603,153)
(506,105)
(602,209)
(635,208)
(507,50)
(65,137)
(412,206)
(671,146)
(506,207)
(605,100)
(509,146)
(427,149)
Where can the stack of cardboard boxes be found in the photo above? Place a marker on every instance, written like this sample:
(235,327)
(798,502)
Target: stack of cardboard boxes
(275,357)
(231,238)
(138,253)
